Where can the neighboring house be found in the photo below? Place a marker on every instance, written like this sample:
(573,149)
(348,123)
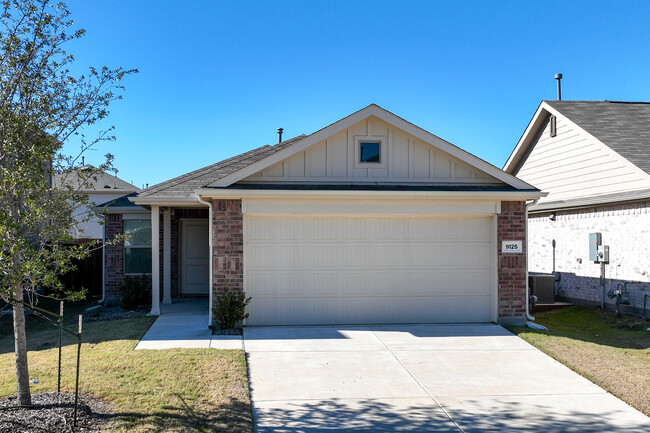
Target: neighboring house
(368,220)
(101,188)
(593,159)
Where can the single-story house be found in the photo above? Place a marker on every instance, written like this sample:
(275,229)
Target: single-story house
(593,159)
(368,220)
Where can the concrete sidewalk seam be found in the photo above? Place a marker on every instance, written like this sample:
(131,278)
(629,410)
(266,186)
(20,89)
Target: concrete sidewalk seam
(418,382)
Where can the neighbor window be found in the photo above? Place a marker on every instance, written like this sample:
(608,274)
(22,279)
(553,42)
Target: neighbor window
(369,151)
(137,248)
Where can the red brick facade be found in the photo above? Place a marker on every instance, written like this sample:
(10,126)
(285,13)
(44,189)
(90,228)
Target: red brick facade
(512,266)
(228,245)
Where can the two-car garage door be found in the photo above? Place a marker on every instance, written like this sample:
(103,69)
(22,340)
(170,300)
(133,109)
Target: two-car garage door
(362,270)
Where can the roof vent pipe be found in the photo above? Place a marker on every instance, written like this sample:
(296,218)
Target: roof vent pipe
(558,77)
(280,130)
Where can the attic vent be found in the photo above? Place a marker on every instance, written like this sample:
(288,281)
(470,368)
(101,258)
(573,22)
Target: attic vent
(553,126)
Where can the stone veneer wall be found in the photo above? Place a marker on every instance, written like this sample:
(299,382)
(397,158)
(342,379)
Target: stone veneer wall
(512,266)
(228,245)
(624,227)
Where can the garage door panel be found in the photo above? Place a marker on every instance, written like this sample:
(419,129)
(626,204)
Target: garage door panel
(368,270)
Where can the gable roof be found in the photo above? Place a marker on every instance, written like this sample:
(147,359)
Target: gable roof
(97,181)
(387,116)
(622,126)
(226,173)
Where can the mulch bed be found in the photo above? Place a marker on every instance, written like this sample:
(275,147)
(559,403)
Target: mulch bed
(53,413)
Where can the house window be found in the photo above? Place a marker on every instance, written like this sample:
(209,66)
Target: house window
(553,126)
(369,151)
(137,248)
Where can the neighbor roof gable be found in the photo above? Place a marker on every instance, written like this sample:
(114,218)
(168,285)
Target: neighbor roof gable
(346,122)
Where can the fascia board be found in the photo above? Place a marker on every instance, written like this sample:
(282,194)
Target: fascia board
(165,201)
(526,137)
(353,195)
(589,202)
(373,110)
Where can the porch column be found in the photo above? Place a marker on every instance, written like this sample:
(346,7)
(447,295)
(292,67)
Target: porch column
(167,256)
(155,261)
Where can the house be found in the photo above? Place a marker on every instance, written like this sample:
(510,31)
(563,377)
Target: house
(101,188)
(368,220)
(593,159)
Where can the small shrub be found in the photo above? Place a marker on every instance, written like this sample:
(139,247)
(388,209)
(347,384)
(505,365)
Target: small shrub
(230,308)
(135,292)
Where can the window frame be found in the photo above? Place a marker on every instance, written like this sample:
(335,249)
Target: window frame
(124,246)
(383,151)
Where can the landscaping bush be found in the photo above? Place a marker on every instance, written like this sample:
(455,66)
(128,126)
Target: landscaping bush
(135,292)
(230,308)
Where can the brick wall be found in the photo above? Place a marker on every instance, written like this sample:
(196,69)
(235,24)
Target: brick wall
(624,227)
(114,257)
(512,266)
(228,245)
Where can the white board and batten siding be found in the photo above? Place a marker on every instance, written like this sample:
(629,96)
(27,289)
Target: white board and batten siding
(343,269)
(573,164)
(404,158)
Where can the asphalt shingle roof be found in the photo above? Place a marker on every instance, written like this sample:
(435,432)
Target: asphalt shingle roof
(98,181)
(184,185)
(623,126)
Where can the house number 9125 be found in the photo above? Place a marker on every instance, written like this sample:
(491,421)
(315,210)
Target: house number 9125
(511,246)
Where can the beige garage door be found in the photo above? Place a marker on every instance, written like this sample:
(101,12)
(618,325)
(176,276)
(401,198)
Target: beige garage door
(329,270)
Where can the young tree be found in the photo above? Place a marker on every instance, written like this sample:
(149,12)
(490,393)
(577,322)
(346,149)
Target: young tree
(42,106)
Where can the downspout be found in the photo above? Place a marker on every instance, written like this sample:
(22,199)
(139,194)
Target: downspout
(528,316)
(210,235)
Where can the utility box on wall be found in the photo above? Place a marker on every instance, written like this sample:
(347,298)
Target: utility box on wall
(595,240)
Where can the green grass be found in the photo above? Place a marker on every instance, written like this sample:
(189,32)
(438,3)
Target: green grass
(148,390)
(613,353)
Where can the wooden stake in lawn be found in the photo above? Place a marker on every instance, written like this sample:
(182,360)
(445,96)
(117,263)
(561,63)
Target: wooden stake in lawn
(76,386)
(58,385)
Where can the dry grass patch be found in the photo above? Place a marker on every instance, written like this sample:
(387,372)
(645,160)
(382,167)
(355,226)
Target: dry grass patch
(613,353)
(163,390)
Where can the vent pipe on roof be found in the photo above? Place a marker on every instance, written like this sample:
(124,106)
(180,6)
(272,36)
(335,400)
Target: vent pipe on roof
(280,130)
(558,77)
(83,160)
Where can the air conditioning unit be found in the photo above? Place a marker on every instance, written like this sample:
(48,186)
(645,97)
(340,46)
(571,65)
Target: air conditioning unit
(542,286)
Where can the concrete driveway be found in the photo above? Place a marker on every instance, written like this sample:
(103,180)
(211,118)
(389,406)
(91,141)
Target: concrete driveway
(420,378)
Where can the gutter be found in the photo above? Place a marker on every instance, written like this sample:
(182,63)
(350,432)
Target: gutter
(210,235)
(528,316)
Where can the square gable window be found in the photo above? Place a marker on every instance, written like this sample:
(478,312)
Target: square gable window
(369,151)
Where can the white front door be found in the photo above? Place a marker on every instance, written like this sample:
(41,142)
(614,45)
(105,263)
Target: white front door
(194,257)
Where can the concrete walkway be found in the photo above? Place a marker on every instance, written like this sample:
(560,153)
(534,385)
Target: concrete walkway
(184,324)
(424,378)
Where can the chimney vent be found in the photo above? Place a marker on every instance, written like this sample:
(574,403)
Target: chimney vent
(558,77)
(280,130)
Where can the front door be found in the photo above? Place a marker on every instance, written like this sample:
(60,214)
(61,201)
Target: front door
(194,257)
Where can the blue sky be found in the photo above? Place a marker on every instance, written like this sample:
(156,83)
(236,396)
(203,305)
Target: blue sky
(218,78)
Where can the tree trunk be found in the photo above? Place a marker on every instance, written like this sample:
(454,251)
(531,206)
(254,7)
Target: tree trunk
(20,340)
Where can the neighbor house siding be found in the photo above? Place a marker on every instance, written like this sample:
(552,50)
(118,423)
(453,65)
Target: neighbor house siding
(228,245)
(512,266)
(624,227)
(575,165)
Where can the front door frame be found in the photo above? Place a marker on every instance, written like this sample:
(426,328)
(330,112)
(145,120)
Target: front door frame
(181,261)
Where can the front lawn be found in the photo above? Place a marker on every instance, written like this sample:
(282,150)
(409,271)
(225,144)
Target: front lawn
(613,353)
(148,390)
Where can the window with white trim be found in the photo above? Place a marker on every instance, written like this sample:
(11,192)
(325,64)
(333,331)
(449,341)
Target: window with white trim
(137,248)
